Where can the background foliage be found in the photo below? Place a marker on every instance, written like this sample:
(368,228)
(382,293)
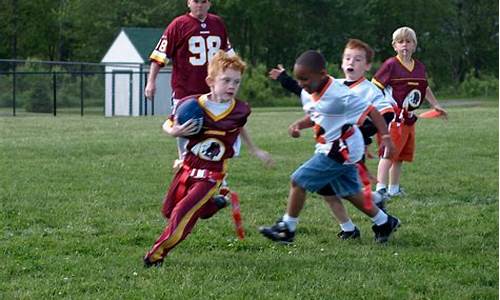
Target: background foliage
(458,39)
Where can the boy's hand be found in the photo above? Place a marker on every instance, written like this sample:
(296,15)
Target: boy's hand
(390,149)
(444,113)
(276,72)
(293,130)
(150,90)
(264,156)
(186,129)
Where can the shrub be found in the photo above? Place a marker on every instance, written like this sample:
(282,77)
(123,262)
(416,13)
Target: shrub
(38,98)
(482,85)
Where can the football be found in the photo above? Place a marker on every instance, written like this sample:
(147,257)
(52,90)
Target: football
(189,109)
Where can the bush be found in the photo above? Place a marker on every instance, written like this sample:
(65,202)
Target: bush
(258,90)
(482,85)
(38,98)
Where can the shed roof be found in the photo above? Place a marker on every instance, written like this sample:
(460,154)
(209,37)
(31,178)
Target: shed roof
(144,39)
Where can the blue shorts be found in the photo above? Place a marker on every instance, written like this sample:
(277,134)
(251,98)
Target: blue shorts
(320,171)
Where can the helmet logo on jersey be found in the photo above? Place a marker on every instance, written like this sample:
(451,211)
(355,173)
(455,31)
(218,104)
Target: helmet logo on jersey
(209,149)
(203,25)
(413,100)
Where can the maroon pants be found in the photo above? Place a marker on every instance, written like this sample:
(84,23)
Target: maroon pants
(187,200)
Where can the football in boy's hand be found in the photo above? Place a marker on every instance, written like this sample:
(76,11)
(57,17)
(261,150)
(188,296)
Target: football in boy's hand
(190,109)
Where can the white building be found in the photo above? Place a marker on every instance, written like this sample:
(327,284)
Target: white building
(127,66)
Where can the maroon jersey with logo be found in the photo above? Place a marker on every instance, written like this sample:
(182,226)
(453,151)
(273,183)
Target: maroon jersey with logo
(394,74)
(190,43)
(214,144)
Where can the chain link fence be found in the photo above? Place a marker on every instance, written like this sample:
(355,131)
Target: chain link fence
(55,88)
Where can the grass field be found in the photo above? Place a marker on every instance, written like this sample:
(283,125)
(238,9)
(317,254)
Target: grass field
(80,204)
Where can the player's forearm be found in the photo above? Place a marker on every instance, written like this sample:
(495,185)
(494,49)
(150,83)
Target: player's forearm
(304,123)
(429,96)
(245,137)
(289,83)
(154,69)
(379,122)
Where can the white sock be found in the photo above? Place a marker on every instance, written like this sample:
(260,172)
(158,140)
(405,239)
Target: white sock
(381,186)
(347,226)
(393,188)
(290,222)
(376,197)
(380,218)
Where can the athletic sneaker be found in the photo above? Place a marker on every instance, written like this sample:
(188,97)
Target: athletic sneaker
(399,193)
(278,232)
(149,264)
(220,201)
(349,235)
(382,232)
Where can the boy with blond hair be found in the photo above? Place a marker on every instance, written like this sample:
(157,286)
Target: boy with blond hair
(333,111)
(356,61)
(403,78)
(191,193)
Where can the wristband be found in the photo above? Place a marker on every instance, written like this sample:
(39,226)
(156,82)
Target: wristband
(386,136)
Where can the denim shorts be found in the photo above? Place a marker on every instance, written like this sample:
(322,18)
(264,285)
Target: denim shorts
(320,171)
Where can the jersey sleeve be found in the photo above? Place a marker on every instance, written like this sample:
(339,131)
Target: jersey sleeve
(383,75)
(165,48)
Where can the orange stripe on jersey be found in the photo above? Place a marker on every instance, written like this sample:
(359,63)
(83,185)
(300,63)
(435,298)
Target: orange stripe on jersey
(377,83)
(317,96)
(386,110)
(320,138)
(365,114)
(176,236)
(357,82)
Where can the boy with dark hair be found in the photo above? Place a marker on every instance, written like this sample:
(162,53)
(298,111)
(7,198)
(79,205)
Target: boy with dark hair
(332,110)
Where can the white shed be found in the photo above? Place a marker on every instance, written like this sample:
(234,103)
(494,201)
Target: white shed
(127,66)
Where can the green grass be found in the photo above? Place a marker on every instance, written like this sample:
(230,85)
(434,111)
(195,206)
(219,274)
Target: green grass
(80,204)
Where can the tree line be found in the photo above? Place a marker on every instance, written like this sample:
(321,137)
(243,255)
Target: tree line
(456,38)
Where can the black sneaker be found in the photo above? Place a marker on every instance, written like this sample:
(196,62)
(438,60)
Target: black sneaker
(349,235)
(279,232)
(149,264)
(382,232)
(220,201)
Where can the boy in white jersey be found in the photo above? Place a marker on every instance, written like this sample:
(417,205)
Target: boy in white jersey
(331,109)
(356,60)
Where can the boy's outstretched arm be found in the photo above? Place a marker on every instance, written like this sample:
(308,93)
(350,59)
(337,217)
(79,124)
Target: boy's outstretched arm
(429,96)
(286,81)
(264,156)
(302,123)
(379,122)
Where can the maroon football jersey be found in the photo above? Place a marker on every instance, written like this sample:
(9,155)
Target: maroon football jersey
(189,43)
(402,80)
(214,144)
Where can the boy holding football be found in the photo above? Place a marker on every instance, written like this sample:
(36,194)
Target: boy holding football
(192,192)
(405,79)
(332,110)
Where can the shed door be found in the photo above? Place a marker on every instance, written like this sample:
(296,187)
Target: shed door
(121,95)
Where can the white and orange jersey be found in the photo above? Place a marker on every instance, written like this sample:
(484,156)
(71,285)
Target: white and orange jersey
(369,91)
(330,110)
